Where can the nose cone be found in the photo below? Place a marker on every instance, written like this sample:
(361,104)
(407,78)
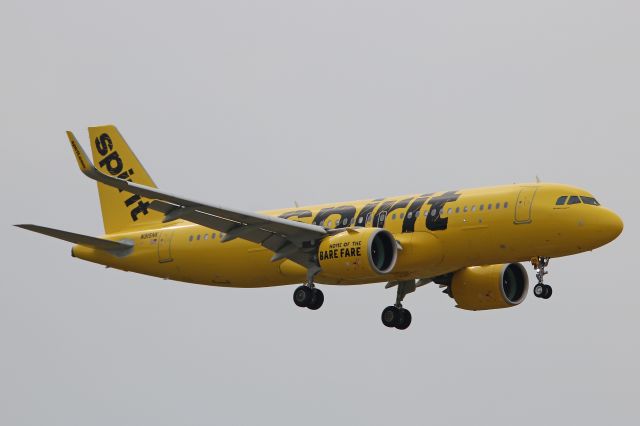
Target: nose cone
(610,225)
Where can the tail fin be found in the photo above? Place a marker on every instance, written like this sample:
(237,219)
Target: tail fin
(112,156)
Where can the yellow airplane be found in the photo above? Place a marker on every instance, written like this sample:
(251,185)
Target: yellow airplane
(469,242)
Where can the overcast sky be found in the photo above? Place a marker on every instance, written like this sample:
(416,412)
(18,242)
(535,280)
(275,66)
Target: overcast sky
(257,104)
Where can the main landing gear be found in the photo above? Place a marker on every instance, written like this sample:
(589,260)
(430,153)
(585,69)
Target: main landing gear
(396,316)
(541,289)
(307,295)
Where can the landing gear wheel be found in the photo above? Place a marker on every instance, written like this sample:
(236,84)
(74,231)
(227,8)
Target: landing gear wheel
(404,320)
(390,316)
(317,299)
(302,296)
(394,317)
(541,289)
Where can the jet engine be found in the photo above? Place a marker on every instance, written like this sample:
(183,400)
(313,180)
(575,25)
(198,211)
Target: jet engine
(357,254)
(490,287)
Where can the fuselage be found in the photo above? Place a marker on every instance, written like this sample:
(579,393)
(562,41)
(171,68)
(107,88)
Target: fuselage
(438,233)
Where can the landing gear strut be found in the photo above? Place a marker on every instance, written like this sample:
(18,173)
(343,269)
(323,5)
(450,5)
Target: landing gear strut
(307,295)
(396,316)
(541,289)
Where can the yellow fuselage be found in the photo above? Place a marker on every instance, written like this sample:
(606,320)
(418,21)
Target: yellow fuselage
(438,233)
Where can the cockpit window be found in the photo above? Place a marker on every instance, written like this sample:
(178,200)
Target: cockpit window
(590,200)
(561,200)
(574,199)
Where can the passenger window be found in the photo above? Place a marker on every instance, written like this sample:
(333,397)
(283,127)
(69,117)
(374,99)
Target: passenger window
(506,205)
(442,211)
(466,209)
(198,237)
(574,199)
(393,216)
(560,201)
(206,236)
(458,209)
(368,217)
(489,206)
(213,236)
(473,208)
(497,206)
(401,215)
(190,238)
(450,210)
(590,200)
(481,207)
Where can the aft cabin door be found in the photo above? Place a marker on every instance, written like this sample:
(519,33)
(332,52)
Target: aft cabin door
(164,246)
(524,204)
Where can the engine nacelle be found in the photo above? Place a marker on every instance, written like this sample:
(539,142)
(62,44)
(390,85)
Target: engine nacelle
(490,287)
(358,253)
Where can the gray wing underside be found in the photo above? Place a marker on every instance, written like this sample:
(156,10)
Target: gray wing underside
(283,241)
(286,238)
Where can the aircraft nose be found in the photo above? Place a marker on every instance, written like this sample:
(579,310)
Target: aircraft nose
(611,224)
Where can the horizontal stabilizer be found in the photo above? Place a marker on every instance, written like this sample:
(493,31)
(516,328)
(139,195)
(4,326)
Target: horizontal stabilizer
(118,248)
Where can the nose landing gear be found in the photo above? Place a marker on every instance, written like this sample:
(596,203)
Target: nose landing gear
(541,289)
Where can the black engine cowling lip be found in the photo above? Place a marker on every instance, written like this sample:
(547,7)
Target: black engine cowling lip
(525,290)
(394,249)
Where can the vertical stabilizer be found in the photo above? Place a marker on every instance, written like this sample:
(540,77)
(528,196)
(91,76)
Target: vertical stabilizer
(112,156)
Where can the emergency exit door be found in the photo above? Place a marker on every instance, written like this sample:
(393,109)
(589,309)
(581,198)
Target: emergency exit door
(164,246)
(524,205)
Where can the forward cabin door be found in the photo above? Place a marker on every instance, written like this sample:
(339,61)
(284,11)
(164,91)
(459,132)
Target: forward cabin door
(164,246)
(524,204)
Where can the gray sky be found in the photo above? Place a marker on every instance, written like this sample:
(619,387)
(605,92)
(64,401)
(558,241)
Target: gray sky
(257,104)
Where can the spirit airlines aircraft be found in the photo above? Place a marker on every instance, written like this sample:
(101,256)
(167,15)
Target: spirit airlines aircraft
(467,241)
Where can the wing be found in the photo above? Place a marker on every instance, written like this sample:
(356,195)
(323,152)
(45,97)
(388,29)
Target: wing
(286,238)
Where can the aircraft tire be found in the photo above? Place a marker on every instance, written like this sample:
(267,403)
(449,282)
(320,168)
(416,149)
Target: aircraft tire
(404,320)
(317,299)
(548,291)
(390,316)
(539,290)
(302,296)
